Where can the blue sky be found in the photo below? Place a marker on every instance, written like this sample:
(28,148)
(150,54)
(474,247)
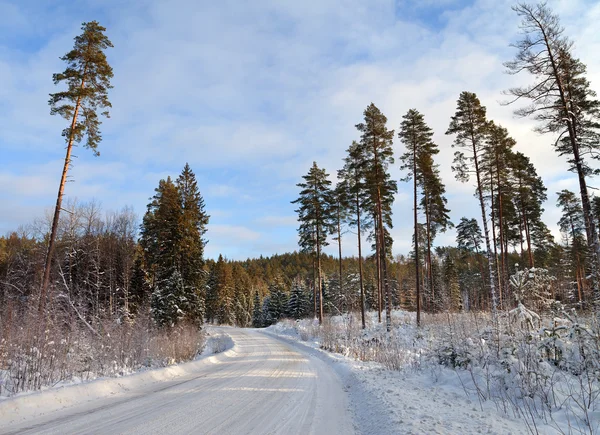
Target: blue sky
(250,93)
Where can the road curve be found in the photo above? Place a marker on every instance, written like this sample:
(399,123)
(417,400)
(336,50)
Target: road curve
(265,387)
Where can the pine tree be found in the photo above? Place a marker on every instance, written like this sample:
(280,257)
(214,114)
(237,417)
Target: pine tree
(340,209)
(314,215)
(353,175)
(528,199)
(563,103)
(420,167)
(376,141)
(469,239)
(572,225)
(88,76)
(471,128)
(452,283)
(495,161)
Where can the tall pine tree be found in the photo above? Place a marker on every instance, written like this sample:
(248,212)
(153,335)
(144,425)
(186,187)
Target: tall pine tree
(315,217)
(563,103)
(376,141)
(88,76)
(471,127)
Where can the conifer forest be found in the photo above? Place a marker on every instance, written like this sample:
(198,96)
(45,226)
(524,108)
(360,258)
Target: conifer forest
(510,307)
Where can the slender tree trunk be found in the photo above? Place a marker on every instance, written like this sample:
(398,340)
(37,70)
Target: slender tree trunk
(521,229)
(360,269)
(429,266)
(378,264)
(339,231)
(485,231)
(319,277)
(316,315)
(528,237)
(55,220)
(382,253)
(577,278)
(417,267)
(386,286)
(493,225)
(501,232)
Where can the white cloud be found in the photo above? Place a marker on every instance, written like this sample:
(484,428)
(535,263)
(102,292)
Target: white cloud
(251,94)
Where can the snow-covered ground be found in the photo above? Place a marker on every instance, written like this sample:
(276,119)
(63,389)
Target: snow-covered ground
(27,405)
(281,380)
(261,385)
(419,396)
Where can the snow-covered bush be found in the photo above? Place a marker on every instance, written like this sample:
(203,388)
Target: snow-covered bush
(538,367)
(68,349)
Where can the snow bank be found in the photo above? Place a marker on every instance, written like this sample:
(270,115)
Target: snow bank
(437,384)
(219,347)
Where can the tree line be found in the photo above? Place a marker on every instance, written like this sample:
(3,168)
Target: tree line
(96,265)
(508,189)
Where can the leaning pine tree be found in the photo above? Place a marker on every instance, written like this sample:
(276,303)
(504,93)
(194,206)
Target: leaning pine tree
(563,102)
(88,77)
(314,215)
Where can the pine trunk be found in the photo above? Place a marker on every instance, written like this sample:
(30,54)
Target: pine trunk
(418,284)
(485,231)
(590,227)
(339,231)
(360,269)
(501,232)
(429,268)
(493,224)
(57,208)
(320,288)
(378,265)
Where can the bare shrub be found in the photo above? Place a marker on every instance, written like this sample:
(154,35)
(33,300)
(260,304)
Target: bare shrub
(67,349)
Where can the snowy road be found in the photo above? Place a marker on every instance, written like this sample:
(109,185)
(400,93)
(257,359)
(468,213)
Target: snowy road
(265,386)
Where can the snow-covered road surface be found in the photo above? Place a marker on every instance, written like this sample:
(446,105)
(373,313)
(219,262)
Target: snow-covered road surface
(263,386)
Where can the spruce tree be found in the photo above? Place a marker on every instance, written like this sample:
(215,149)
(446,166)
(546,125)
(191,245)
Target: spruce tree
(315,217)
(257,317)
(194,220)
(376,141)
(169,301)
(297,306)
(471,128)
(88,76)
(139,287)
(171,240)
(160,231)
